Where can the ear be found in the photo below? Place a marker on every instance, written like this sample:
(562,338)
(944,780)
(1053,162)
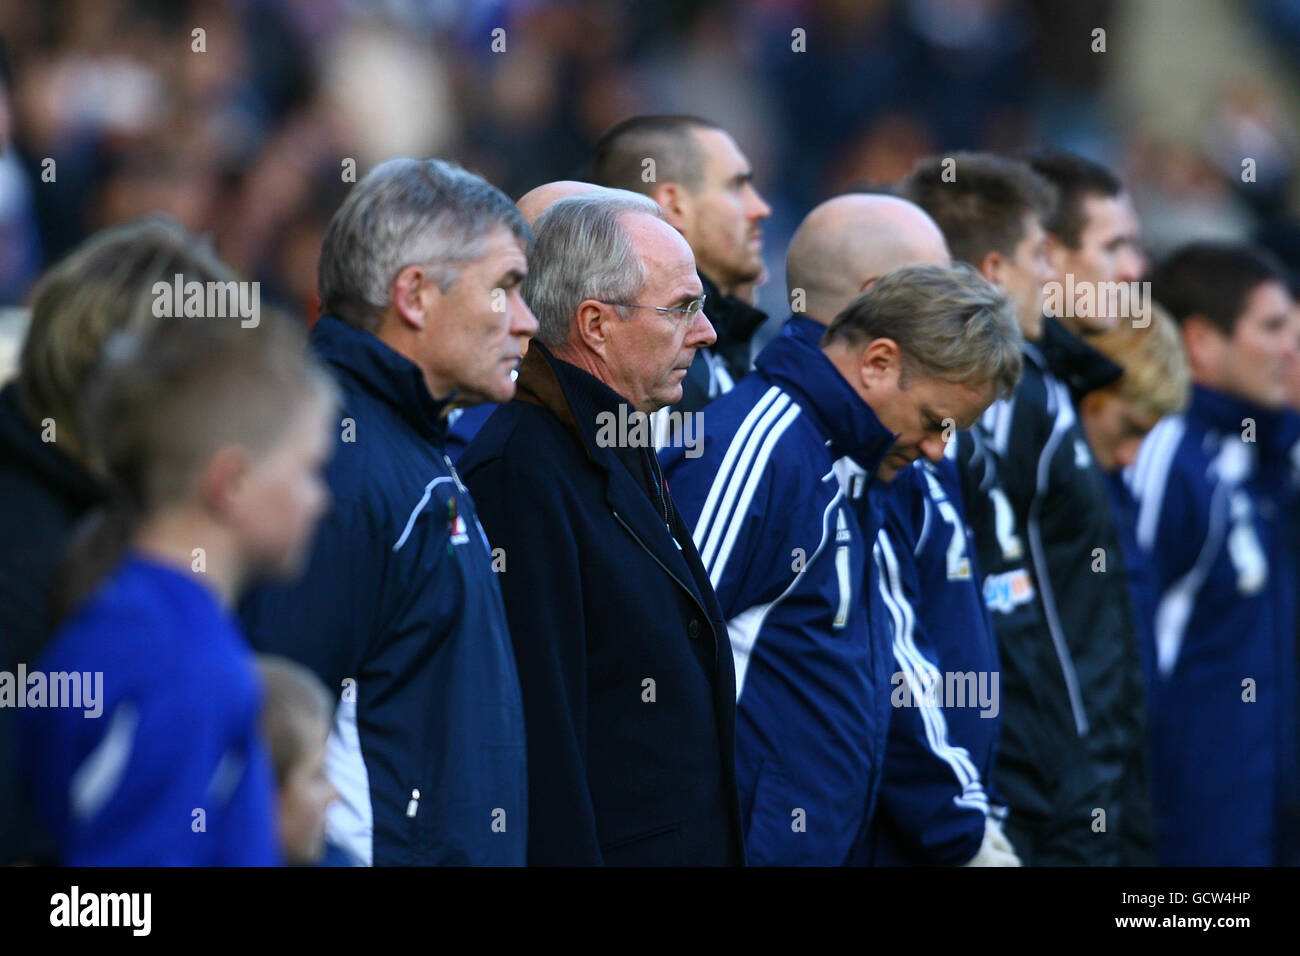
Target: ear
(676,203)
(592,324)
(410,295)
(222,478)
(990,267)
(1204,344)
(880,364)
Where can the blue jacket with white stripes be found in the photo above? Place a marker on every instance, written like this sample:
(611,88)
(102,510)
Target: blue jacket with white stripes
(934,798)
(1222,695)
(777,502)
(399,611)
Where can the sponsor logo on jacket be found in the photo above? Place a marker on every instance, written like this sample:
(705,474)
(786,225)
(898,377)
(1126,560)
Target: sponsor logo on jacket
(1008,590)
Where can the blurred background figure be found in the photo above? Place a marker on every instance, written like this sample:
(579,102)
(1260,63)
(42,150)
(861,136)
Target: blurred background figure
(296,719)
(1213,487)
(48,481)
(113,112)
(212,437)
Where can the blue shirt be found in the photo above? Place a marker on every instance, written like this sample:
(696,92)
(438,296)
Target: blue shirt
(165,766)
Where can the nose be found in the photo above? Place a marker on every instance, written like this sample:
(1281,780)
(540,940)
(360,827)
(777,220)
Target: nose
(522,320)
(701,333)
(1126,454)
(933,447)
(1132,265)
(758,207)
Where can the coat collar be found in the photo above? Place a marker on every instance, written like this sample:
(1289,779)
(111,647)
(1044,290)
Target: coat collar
(735,323)
(572,395)
(1227,413)
(576,398)
(843,418)
(1081,367)
(388,376)
(806,330)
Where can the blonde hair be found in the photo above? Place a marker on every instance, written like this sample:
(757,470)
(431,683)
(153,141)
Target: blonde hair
(949,322)
(295,707)
(1156,376)
(104,286)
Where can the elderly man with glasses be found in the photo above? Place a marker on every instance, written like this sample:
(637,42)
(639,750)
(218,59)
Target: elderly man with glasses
(629,694)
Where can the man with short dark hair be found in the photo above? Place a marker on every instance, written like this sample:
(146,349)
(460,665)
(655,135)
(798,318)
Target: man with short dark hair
(1092,239)
(399,611)
(1073,738)
(627,682)
(1212,485)
(703,183)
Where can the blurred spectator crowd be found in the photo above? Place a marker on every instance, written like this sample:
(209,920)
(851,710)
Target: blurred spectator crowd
(239,117)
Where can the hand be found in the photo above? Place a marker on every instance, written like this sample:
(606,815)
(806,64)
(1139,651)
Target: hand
(996,850)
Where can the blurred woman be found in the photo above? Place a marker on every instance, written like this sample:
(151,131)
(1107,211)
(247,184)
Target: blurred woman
(212,437)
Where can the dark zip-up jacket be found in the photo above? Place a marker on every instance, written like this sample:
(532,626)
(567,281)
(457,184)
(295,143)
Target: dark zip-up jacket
(399,613)
(43,494)
(1058,496)
(627,678)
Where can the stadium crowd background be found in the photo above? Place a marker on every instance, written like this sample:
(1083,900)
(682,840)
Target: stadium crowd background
(246,141)
(249,132)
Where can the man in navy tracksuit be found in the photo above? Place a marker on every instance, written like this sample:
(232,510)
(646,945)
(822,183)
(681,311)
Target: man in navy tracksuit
(777,500)
(1209,486)
(933,805)
(937,805)
(399,610)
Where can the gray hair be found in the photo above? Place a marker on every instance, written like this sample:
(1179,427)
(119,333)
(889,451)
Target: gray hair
(949,321)
(407,212)
(583,252)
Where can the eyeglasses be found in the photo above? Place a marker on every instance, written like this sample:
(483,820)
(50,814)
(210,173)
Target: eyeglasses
(689,313)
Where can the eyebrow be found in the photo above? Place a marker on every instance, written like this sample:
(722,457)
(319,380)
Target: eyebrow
(744,177)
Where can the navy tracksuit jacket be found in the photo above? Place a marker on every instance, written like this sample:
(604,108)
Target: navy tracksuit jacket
(777,504)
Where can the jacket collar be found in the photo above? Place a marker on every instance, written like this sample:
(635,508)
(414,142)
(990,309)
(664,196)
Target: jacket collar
(20,442)
(806,330)
(388,376)
(735,323)
(1081,367)
(1224,412)
(572,395)
(840,414)
(576,398)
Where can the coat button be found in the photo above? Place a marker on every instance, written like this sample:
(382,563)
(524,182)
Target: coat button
(693,629)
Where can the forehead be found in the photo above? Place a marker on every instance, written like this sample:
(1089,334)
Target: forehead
(667,257)
(502,247)
(1267,300)
(1107,216)
(961,402)
(722,157)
